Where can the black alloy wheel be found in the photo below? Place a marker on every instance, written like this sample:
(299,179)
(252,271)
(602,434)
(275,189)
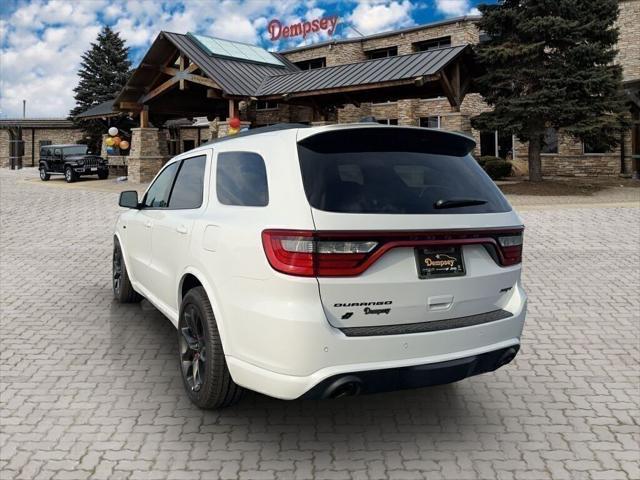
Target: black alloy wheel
(193,348)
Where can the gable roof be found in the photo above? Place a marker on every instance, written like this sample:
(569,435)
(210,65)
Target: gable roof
(104,109)
(388,69)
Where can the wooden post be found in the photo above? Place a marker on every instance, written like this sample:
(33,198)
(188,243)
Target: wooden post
(144,117)
(181,62)
(232,108)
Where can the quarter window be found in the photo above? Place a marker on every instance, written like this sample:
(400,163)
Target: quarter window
(241,179)
(158,194)
(189,184)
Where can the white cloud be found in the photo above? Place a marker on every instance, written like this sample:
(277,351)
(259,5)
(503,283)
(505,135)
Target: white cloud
(456,7)
(373,16)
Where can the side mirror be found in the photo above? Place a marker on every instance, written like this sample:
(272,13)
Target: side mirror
(129,199)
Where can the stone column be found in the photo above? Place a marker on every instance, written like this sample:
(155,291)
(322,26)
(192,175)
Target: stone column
(148,154)
(407,112)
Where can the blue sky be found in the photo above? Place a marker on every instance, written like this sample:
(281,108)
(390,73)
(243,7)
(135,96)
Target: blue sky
(41,41)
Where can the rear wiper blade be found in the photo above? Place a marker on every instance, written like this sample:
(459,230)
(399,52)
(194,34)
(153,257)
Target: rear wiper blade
(458,202)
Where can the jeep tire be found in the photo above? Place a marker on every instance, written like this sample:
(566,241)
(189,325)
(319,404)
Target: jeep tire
(44,176)
(203,366)
(103,174)
(69,175)
(122,289)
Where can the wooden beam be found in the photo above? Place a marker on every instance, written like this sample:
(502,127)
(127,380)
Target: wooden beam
(448,91)
(134,106)
(144,117)
(182,63)
(159,89)
(232,108)
(456,82)
(175,71)
(207,82)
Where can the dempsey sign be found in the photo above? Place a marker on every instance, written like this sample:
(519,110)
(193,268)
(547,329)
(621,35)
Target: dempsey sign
(302,29)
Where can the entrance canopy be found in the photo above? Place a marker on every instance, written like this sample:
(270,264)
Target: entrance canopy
(191,75)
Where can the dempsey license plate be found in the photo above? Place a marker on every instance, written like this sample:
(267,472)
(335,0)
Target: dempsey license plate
(440,262)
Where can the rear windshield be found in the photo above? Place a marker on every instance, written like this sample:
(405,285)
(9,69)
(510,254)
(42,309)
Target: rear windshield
(394,171)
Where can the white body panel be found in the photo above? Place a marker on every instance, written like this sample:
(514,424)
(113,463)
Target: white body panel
(280,332)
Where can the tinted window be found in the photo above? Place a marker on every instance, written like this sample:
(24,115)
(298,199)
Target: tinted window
(393,171)
(158,194)
(76,150)
(187,190)
(241,179)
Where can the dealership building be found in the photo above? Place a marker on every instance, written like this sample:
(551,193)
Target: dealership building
(188,86)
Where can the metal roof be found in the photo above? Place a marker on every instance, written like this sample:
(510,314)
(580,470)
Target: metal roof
(380,70)
(389,33)
(104,109)
(36,123)
(236,77)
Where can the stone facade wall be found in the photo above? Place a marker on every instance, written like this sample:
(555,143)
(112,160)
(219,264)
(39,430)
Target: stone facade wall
(629,41)
(32,139)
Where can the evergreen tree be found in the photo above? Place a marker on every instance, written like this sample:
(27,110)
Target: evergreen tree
(103,72)
(549,63)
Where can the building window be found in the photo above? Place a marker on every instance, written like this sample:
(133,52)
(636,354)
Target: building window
(312,64)
(382,53)
(430,122)
(595,146)
(388,121)
(266,105)
(431,44)
(550,141)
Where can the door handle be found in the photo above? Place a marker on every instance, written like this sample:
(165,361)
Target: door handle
(148,224)
(182,229)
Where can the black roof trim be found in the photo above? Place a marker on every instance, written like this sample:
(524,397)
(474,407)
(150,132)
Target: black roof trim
(256,131)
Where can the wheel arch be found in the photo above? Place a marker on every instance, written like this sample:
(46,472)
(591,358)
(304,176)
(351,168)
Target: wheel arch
(192,277)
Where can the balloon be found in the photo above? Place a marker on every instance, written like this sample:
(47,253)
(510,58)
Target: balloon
(111,150)
(109,141)
(234,122)
(233,131)
(124,144)
(116,141)
(113,131)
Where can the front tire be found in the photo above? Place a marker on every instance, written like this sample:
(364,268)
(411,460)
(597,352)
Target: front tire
(44,176)
(203,366)
(122,289)
(103,174)
(69,175)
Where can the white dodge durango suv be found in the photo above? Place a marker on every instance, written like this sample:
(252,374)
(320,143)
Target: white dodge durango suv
(319,262)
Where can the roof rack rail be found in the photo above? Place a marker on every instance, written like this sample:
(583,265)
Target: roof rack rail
(255,131)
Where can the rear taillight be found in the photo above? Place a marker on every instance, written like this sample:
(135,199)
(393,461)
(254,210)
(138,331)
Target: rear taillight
(308,253)
(511,247)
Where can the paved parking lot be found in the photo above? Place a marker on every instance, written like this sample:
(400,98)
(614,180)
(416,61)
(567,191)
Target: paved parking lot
(91,389)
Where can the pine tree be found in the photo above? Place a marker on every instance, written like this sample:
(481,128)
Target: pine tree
(103,72)
(549,63)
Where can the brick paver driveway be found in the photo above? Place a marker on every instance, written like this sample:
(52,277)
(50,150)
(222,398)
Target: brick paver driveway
(91,389)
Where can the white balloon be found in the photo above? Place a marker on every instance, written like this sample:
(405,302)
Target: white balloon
(113,131)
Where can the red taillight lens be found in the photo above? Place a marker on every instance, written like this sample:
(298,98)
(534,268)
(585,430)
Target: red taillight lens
(511,247)
(305,253)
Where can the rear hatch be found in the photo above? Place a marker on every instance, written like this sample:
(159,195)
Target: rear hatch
(409,228)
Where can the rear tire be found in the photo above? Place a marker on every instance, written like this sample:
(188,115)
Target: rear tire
(44,176)
(122,289)
(69,175)
(211,386)
(103,175)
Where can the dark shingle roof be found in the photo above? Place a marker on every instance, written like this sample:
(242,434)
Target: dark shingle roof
(36,123)
(236,77)
(104,109)
(371,71)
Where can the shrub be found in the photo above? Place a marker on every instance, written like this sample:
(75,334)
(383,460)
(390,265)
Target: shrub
(497,168)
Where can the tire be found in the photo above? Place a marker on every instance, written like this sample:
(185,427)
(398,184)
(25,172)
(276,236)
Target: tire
(103,174)
(122,289)
(69,175)
(44,176)
(212,386)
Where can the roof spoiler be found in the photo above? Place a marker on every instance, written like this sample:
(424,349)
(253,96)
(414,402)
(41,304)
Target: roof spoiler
(379,138)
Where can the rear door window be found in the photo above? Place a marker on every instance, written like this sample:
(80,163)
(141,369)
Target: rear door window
(241,179)
(395,171)
(189,184)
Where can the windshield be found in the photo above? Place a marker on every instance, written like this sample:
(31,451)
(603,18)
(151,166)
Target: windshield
(75,150)
(393,171)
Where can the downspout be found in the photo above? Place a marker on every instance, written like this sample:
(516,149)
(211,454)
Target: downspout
(33,147)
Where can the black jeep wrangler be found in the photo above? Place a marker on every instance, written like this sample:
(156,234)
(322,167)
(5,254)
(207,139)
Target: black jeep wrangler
(71,161)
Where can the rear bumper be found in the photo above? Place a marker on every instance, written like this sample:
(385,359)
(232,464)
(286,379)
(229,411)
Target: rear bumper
(374,381)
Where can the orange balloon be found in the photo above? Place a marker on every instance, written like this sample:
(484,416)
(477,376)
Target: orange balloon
(116,141)
(124,144)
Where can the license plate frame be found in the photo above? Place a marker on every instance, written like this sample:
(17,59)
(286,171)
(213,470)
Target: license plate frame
(445,262)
